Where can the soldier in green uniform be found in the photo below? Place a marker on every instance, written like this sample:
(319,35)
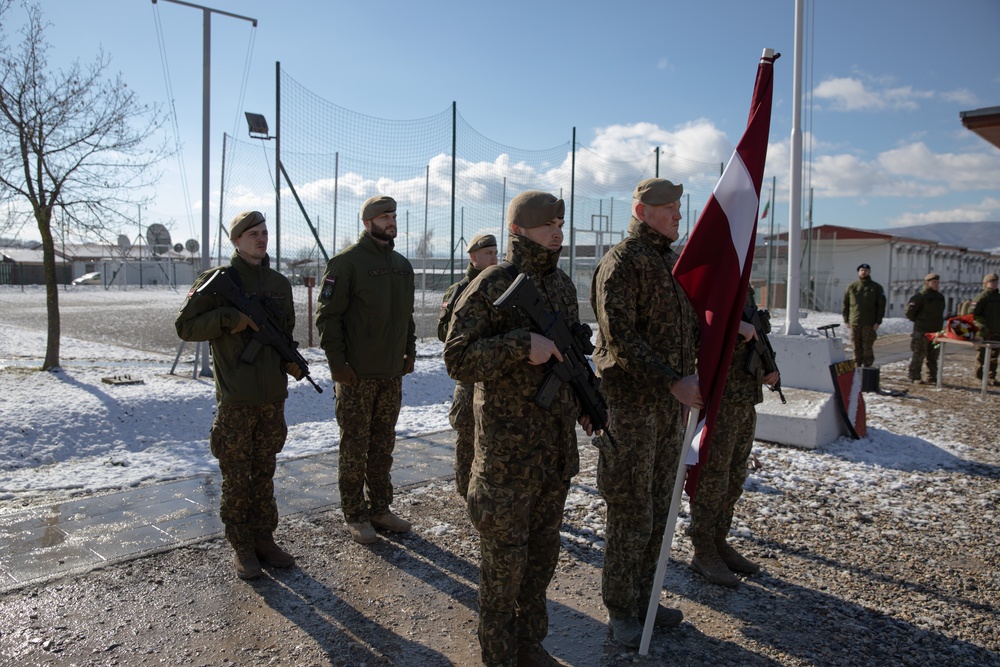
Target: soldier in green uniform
(366,328)
(525,455)
(482,251)
(647,342)
(863,310)
(986,315)
(249,428)
(926,310)
(720,483)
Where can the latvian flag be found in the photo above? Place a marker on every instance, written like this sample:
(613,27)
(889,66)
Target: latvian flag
(714,267)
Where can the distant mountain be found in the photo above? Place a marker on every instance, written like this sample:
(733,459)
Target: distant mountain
(971,235)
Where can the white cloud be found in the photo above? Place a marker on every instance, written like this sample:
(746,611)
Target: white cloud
(852,94)
(987,209)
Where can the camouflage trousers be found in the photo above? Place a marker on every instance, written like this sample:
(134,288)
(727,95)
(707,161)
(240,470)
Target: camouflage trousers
(367,414)
(863,340)
(518,522)
(246,439)
(636,480)
(721,480)
(994,356)
(922,349)
(464,422)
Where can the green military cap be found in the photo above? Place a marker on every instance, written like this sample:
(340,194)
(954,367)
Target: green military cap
(534,208)
(376,206)
(990,277)
(657,191)
(931,276)
(480,241)
(244,221)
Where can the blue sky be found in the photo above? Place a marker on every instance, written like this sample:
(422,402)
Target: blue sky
(887,78)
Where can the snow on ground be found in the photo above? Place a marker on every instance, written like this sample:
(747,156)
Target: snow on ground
(70,430)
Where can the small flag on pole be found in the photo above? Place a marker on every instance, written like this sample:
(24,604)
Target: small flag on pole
(767,207)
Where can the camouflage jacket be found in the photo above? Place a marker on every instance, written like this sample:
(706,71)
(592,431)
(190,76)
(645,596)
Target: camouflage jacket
(648,333)
(864,303)
(926,310)
(987,313)
(365,310)
(488,346)
(210,317)
(451,296)
(742,386)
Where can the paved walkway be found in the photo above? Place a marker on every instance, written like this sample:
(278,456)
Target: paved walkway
(79,535)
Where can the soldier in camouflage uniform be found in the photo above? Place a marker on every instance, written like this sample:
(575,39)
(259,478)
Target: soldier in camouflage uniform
(721,479)
(986,315)
(926,310)
(249,428)
(525,455)
(482,251)
(647,342)
(366,328)
(863,310)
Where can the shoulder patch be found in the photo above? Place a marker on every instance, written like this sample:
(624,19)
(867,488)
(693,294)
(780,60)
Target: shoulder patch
(328,284)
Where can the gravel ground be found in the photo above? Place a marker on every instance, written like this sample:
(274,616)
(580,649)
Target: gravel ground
(863,565)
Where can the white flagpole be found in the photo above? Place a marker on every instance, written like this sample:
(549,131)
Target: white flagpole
(668,531)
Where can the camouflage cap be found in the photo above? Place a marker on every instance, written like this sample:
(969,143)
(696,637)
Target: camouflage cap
(376,206)
(534,208)
(931,276)
(480,241)
(244,221)
(657,191)
(990,277)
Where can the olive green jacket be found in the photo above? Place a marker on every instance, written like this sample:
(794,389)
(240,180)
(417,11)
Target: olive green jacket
(451,296)
(648,334)
(365,310)
(864,303)
(926,311)
(210,317)
(515,437)
(987,314)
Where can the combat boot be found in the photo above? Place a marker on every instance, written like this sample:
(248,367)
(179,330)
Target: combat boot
(626,631)
(362,532)
(535,655)
(270,553)
(666,617)
(247,565)
(734,560)
(391,522)
(708,564)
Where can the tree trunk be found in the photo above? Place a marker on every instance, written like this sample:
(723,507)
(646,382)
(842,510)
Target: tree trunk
(43,215)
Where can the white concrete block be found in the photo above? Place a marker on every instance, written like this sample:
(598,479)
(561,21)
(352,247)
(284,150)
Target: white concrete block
(808,420)
(804,361)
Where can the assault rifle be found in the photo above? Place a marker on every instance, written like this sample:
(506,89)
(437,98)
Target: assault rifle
(574,368)
(763,353)
(268,332)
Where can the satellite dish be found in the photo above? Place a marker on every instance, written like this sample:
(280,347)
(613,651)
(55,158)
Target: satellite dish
(158,238)
(192,246)
(178,247)
(124,243)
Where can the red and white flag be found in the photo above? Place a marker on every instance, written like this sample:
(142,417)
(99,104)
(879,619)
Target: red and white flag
(714,267)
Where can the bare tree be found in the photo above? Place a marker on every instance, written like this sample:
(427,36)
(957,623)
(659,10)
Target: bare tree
(75,140)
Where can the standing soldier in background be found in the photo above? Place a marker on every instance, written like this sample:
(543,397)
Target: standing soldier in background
(482,253)
(365,322)
(864,308)
(647,342)
(987,317)
(525,455)
(926,311)
(720,482)
(249,428)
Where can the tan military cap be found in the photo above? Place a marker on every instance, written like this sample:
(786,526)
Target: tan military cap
(657,191)
(931,276)
(534,208)
(990,276)
(480,241)
(376,206)
(244,221)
